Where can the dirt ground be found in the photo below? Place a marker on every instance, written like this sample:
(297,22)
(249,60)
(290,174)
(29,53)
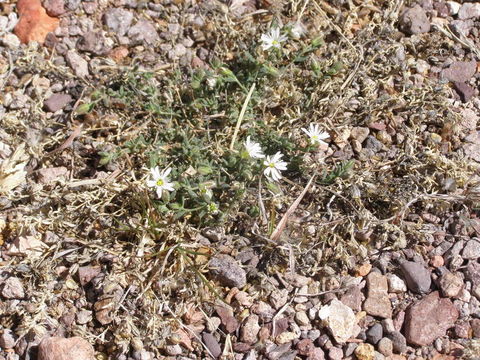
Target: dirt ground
(141,215)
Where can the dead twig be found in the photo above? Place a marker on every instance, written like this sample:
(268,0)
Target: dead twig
(283,222)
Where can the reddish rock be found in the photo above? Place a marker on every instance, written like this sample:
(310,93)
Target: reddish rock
(54,7)
(87,273)
(305,347)
(118,53)
(429,319)
(228,320)
(56,348)
(34,24)
(460,71)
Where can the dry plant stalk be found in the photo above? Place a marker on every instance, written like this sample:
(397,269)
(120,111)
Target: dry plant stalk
(283,222)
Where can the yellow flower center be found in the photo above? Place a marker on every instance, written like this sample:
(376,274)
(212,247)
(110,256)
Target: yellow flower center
(274,42)
(160,182)
(271,165)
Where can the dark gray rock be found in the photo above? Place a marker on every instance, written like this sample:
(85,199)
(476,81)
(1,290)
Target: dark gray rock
(399,343)
(93,42)
(228,271)
(374,334)
(417,277)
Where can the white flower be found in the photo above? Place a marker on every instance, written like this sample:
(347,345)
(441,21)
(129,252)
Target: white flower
(297,30)
(253,148)
(212,208)
(160,180)
(316,136)
(272,39)
(274,165)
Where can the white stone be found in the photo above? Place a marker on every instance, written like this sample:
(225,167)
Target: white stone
(339,319)
(454,7)
(395,284)
(469,11)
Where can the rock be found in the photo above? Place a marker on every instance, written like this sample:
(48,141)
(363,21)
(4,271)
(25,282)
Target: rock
(49,175)
(335,353)
(118,53)
(281,352)
(297,280)
(375,333)
(143,32)
(463,329)
(437,261)
(339,319)
(278,298)
(316,354)
(72,5)
(57,102)
(29,245)
(84,316)
(365,352)
(228,271)
(212,344)
(454,7)
(302,319)
(11,41)
(399,343)
(34,24)
(54,8)
(469,11)
(228,320)
(465,91)
(462,27)
(263,310)
(471,250)
(472,151)
(385,346)
(87,273)
(13,288)
(56,348)
(450,284)
(286,337)
(377,302)
(460,71)
(352,298)
(363,270)
(104,310)
(395,284)
(7,340)
(359,133)
(172,350)
(417,277)
(118,20)
(93,42)
(250,329)
(475,324)
(305,347)
(414,21)
(78,64)
(349,348)
(429,319)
